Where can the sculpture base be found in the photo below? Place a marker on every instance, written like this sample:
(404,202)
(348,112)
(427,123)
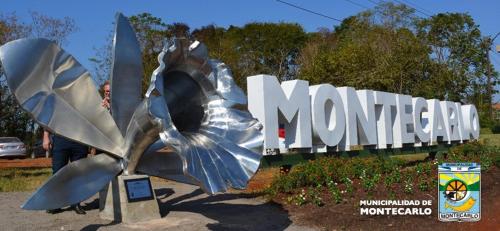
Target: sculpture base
(129,199)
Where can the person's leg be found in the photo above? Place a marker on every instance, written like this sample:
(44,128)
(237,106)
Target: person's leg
(60,157)
(78,151)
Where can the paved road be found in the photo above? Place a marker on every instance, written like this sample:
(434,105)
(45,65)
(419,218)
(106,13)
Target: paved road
(183,207)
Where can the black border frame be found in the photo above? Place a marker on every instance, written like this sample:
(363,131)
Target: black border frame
(125,183)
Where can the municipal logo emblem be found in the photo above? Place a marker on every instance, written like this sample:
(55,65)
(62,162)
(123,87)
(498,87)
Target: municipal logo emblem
(459,192)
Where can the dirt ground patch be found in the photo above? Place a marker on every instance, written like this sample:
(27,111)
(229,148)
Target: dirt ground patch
(182,207)
(346,215)
(262,179)
(26,163)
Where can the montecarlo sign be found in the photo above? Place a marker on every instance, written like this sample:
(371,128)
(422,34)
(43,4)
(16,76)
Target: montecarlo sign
(342,117)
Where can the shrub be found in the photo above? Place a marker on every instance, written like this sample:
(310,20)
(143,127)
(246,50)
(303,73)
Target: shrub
(315,196)
(348,185)
(369,181)
(299,199)
(408,186)
(337,174)
(495,129)
(335,192)
(392,178)
(475,152)
(423,186)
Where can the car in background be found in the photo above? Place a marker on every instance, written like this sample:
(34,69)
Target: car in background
(11,147)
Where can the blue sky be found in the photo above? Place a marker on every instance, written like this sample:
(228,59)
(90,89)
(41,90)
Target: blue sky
(94,18)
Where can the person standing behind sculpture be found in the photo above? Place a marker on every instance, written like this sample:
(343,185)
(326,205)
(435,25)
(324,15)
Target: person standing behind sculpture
(63,150)
(105,104)
(107,94)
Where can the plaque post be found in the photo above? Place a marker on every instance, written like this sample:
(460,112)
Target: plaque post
(129,199)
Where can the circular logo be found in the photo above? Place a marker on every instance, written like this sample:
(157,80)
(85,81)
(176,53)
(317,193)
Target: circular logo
(456,190)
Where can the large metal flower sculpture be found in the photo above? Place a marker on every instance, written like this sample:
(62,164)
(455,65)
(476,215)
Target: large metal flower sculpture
(188,107)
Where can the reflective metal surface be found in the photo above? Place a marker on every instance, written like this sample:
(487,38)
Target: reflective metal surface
(206,133)
(171,166)
(59,93)
(75,182)
(126,73)
(188,108)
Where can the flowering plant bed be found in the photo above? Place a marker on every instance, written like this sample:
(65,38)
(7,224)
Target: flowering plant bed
(327,192)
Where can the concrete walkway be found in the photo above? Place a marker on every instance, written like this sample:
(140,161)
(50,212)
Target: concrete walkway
(182,207)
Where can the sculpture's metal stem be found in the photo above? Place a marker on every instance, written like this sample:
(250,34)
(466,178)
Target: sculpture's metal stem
(142,131)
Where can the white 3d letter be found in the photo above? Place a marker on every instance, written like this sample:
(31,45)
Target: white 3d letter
(328,116)
(403,126)
(450,116)
(266,98)
(461,125)
(436,121)
(360,117)
(420,121)
(471,122)
(385,110)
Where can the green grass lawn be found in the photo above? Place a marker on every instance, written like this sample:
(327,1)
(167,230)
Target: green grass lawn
(491,139)
(23,179)
(29,179)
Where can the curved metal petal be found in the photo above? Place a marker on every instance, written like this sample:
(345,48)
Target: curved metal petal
(58,93)
(216,153)
(126,75)
(74,183)
(161,161)
(226,87)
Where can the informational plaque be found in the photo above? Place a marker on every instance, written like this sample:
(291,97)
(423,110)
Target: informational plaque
(138,189)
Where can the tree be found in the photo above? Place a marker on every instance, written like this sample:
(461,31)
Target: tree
(456,42)
(253,49)
(102,61)
(371,50)
(54,29)
(151,33)
(213,37)
(459,47)
(13,121)
(268,48)
(491,75)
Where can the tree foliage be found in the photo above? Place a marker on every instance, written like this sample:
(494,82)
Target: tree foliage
(54,29)
(390,49)
(456,43)
(362,53)
(386,48)
(461,50)
(151,33)
(269,48)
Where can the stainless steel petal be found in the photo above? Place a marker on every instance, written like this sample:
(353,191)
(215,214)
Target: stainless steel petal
(59,93)
(75,182)
(226,87)
(161,161)
(142,131)
(193,109)
(126,75)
